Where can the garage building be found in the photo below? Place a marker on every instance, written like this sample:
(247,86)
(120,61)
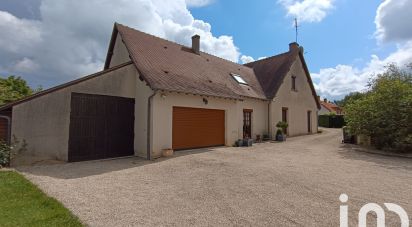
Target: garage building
(154,94)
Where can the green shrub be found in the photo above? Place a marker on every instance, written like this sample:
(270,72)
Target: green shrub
(5,154)
(282,125)
(385,111)
(331,121)
(279,132)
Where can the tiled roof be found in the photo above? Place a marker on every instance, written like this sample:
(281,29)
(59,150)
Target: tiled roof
(169,66)
(271,71)
(330,106)
(166,65)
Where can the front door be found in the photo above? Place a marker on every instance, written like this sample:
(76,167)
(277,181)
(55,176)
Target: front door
(285,116)
(247,123)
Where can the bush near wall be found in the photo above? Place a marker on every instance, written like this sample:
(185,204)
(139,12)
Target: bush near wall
(331,121)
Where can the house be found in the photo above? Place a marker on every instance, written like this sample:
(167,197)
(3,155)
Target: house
(328,107)
(154,94)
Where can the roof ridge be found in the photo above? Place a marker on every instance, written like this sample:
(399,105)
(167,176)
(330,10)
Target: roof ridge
(268,58)
(203,52)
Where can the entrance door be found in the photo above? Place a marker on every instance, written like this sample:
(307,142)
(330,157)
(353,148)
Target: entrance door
(247,123)
(309,121)
(285,116)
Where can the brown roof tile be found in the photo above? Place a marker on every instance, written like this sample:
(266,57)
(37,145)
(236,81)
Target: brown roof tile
(271,71)
(169,66)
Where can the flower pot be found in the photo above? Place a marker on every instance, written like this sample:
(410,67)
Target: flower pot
(281,137)
(247,142)
(239,143)
(167,152)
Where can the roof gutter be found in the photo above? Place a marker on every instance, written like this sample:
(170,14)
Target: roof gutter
(149,125)
(8,119)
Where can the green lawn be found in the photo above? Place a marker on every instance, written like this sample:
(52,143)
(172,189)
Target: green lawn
(23,204)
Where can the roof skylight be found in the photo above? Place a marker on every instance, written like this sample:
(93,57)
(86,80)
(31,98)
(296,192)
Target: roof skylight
(239,78)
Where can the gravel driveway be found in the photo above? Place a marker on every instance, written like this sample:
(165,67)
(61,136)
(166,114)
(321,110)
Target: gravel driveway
(296,183)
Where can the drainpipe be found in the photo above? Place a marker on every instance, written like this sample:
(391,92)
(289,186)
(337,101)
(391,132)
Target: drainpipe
(149,125)
(8,119)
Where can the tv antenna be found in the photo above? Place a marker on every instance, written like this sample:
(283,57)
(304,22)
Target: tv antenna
(296,29)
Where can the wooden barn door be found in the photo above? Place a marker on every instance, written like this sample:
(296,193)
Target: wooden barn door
(100,127)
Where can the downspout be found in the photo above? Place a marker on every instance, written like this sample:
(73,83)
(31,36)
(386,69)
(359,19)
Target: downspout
(149,125)
(8,119)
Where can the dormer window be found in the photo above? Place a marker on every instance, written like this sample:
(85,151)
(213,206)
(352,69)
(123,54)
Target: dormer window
(294,83)
(238,78)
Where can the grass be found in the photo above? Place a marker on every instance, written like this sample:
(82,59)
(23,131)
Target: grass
(23,204)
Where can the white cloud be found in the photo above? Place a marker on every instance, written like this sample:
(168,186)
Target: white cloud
(25,65)
(307,10)
(392,23)
(246,59)
(71,38)
(393,20)
(335,83)
(198,3)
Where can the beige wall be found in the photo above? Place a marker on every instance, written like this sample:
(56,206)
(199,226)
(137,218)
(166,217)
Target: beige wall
(143,92)
(44,121)
(163,109)
(298,103)
(120,53)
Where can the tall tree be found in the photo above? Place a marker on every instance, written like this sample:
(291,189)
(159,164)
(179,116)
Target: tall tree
(13,88)
(385,111)
(351,97)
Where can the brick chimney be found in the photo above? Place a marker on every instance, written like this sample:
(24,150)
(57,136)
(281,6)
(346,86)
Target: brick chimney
(196,44)
(293,46)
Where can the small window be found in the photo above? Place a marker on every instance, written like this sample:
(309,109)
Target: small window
(239,79)
(294,83)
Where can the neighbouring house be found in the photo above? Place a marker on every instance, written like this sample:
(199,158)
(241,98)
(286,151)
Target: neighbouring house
(154,94)
(328,107)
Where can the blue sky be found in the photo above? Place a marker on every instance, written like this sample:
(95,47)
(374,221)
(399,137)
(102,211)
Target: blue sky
(345,36)
(48,42)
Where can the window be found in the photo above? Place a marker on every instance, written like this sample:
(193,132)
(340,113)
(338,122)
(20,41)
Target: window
(239,78)
(294,83)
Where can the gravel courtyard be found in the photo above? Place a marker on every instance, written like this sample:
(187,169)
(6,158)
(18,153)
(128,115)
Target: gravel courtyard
(296,183)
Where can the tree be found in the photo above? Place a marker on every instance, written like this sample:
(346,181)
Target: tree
(13,88)
(351,97)
(384,112)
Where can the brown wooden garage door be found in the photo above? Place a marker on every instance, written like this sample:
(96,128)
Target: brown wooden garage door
(195,128)
(3,129)
(100,127)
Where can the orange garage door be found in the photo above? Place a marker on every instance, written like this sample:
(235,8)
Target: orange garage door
(196,127)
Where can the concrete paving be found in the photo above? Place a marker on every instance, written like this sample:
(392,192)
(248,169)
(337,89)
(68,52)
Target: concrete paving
(295,183)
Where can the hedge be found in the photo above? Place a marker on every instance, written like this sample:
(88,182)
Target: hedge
(331,121)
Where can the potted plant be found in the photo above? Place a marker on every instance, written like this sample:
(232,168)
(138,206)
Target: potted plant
(281,132)
(279,135)
(247,142)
